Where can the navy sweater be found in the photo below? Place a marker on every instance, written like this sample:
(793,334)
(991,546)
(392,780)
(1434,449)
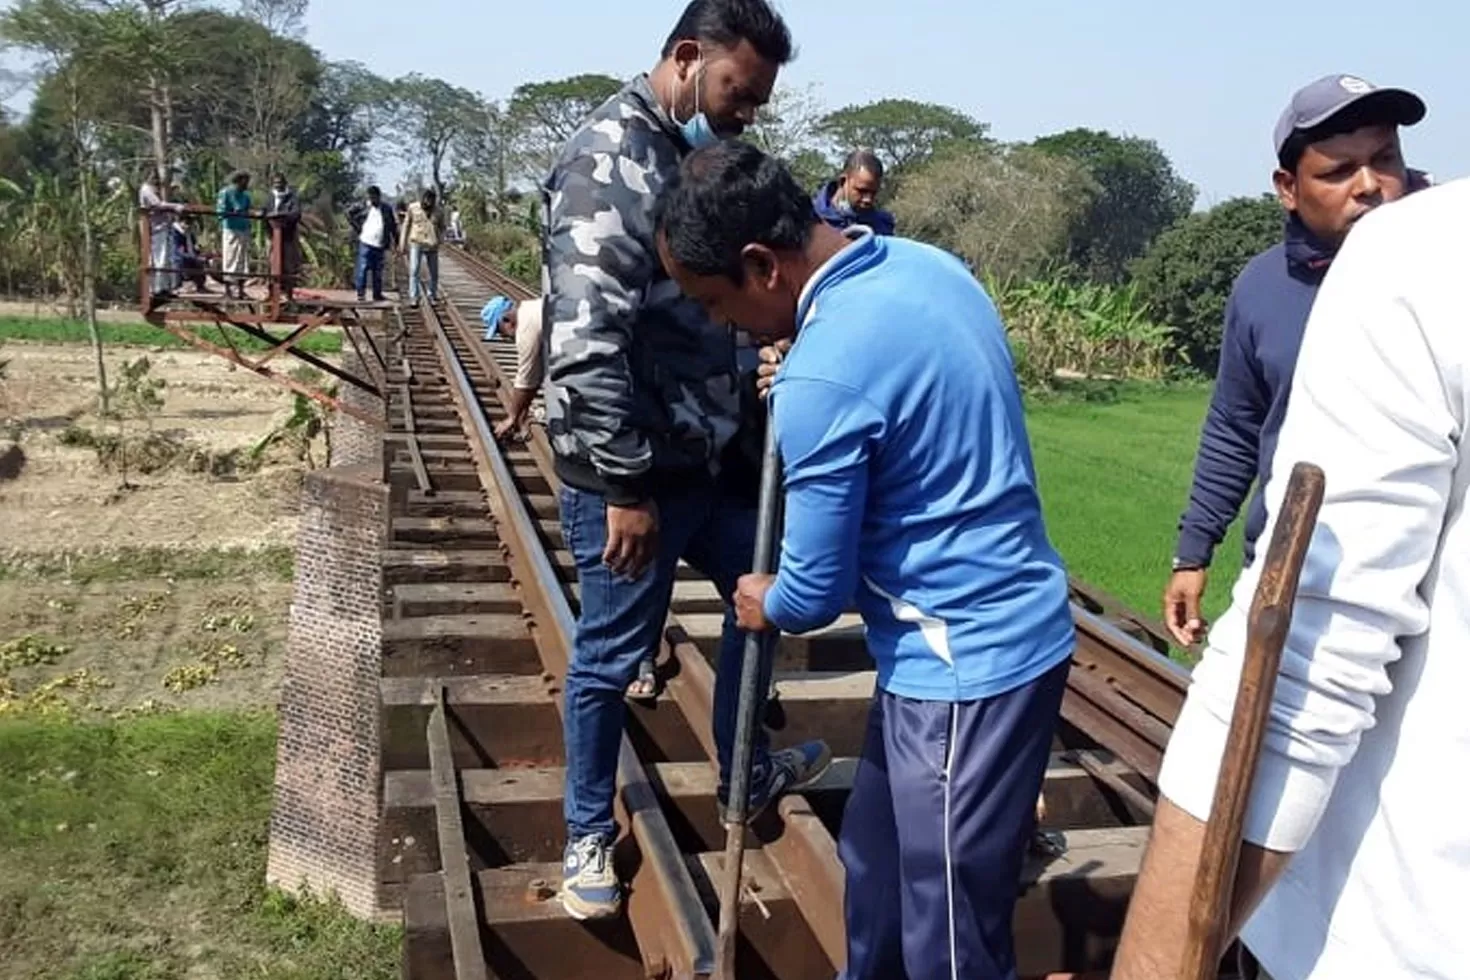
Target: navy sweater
(1264,321)
(877,219)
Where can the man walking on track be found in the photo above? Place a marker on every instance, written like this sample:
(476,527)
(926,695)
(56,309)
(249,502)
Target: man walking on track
(375,230)
(1355,859)
(419,237)
(909,484)
(1338,157)
(641,401)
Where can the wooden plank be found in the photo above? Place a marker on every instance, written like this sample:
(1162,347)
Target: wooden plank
(459,895)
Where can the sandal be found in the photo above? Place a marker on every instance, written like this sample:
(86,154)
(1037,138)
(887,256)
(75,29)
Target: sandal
(645,685)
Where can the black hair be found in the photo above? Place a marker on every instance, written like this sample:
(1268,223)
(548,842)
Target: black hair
(728,22)
(1349,120)
(863,160)
(728,196)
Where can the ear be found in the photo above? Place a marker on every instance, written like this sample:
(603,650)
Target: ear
(686,56)
(1285,182)
(761,266)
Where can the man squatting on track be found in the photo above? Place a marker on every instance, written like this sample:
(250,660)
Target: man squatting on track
(521,322)
(642,399)
(909,485)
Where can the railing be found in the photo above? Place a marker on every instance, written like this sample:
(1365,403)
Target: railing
(275,277)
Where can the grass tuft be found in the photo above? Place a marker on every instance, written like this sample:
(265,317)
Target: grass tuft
(54,331)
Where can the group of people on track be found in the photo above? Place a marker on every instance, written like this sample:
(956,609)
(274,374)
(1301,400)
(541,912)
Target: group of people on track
(690,285)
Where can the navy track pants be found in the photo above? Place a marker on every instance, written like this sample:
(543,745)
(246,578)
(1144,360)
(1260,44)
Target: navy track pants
(942,809)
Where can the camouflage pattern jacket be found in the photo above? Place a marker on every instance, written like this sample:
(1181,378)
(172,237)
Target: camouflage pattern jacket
(641,388)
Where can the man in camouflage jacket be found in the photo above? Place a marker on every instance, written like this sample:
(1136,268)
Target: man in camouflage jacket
(641,401)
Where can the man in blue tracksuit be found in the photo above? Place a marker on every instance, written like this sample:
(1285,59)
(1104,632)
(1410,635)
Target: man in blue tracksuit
(852,199)
(909,487)
(1338,157)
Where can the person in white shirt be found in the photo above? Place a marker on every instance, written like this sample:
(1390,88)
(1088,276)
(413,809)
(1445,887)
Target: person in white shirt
(1356,852)
(376,229)
(165,278)
(521,321)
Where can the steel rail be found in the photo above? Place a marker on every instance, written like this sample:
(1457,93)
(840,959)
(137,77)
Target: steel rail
(681,910)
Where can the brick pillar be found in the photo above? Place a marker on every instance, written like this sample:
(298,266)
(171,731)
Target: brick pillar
(324,824)
(354,442)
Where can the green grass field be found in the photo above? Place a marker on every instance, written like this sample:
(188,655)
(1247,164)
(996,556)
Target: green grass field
(1114,474)
(144,335)
(136,851)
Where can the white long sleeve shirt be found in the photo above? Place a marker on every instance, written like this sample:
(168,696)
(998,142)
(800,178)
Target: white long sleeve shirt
(1368,746)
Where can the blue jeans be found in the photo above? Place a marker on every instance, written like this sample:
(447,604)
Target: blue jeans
(621,621)
(431,259)
(369,260)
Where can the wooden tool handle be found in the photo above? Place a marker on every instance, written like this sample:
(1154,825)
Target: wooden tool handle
(1270,619)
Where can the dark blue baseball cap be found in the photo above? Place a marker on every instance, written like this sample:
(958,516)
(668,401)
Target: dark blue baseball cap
(1332,95)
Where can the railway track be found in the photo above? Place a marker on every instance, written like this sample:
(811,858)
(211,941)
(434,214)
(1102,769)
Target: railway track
(479,620)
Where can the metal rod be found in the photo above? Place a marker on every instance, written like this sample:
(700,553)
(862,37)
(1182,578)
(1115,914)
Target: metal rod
(459,890)
(411,435)
(1099,769)
(751,697)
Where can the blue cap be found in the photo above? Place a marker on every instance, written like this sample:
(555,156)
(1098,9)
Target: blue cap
(491,313)
(1329,95)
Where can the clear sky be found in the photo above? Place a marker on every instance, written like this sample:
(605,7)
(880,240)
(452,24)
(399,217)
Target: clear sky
(1206,80)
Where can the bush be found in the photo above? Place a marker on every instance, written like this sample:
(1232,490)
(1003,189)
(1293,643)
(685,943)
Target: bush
(1057,326)
(1187,274)
(1006,212)
(524,264)
(498,242)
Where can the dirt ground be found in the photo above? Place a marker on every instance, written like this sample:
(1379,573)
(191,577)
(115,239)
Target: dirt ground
(97,647)
(62,499)
(108,647)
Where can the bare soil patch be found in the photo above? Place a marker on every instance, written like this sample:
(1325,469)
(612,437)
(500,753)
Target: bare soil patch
(109,649)
(62,499)
(115,602)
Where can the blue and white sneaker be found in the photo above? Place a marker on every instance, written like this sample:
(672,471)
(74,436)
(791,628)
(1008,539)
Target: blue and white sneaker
(786,771)
(589,886)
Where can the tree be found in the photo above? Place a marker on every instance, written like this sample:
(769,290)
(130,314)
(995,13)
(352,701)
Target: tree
(548,113)
(485,158)
(1138,196)
(788,128)
(77,49)
(346,111)
(433,114)
(151,58)
(903,132)
(1006,213)
(334,135)
(1187,274)
(281,76)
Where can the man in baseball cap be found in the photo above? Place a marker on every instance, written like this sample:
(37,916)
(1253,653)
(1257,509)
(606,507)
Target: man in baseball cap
(1338,157)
